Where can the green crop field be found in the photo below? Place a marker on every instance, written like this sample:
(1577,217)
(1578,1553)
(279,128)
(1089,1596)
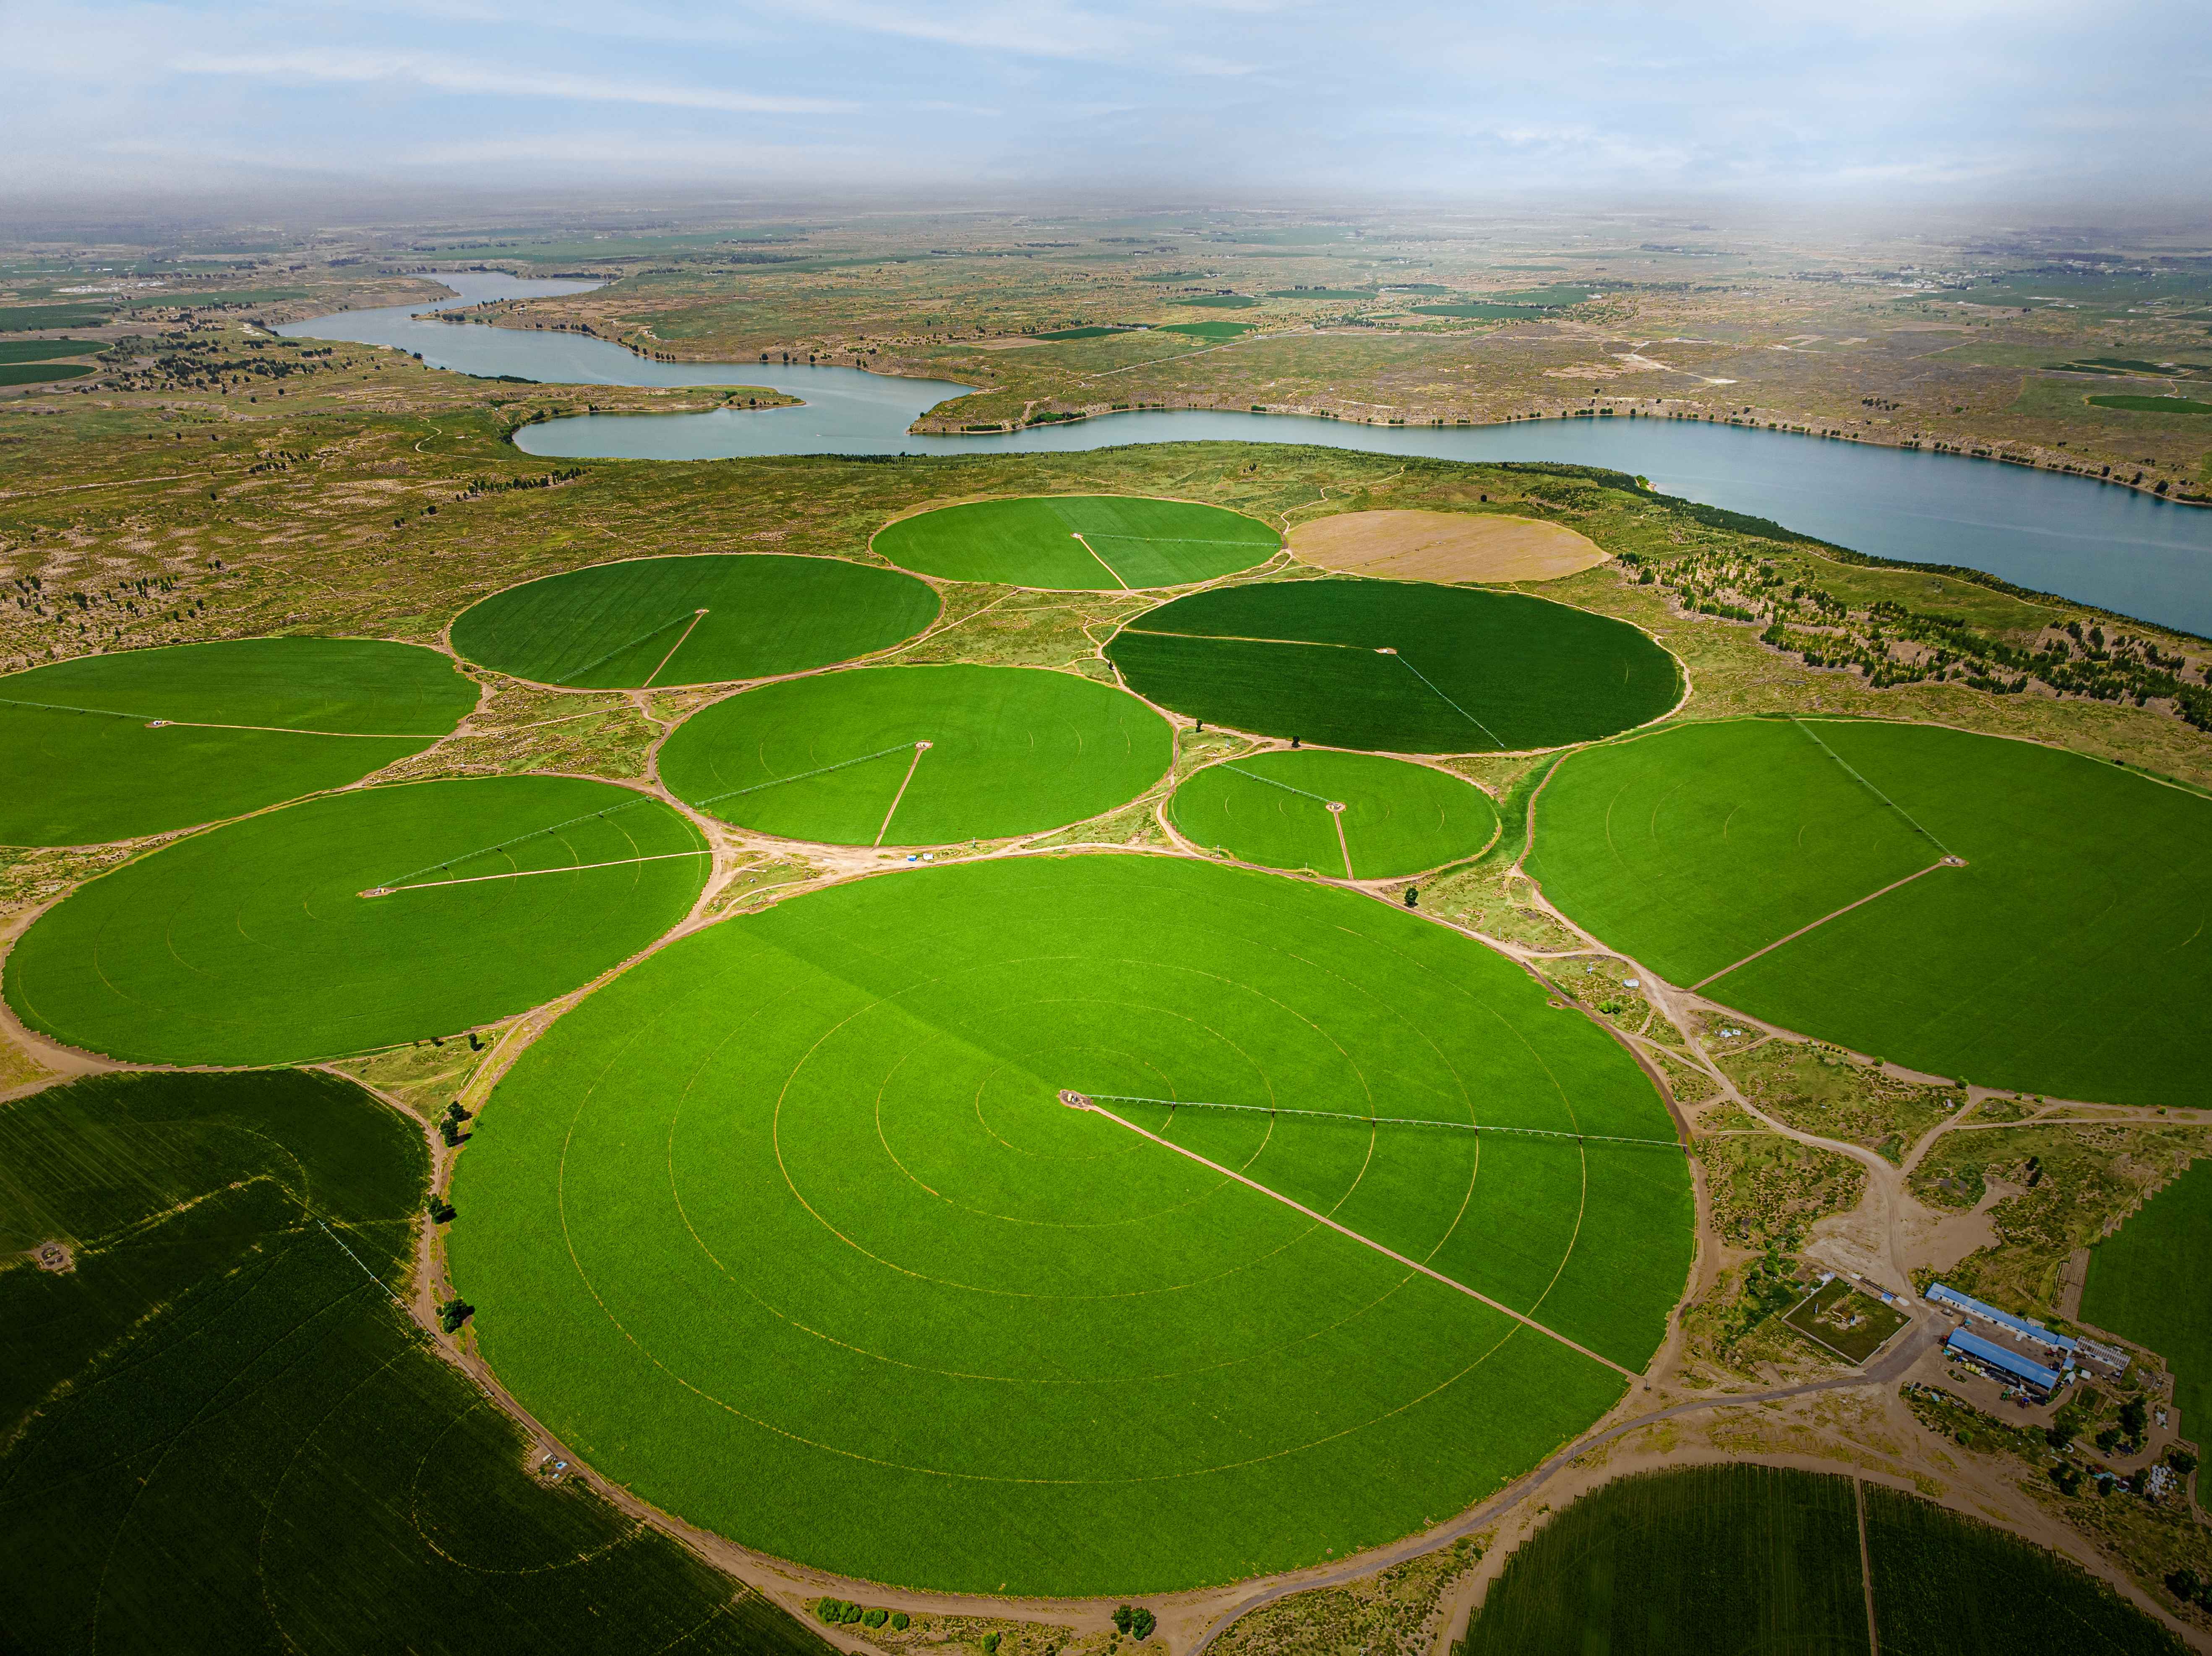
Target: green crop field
(221,1434)
(45,350)
(1274,808)
(1397,666)
(2056,960)
(2133,1275)
(1947,1586)
(788,1228)
(1217,301)
(1479,312)
(1214,330)
(693,620)
(833,758)
(24,318)
(33,373)
(1083,542)
(1059,334)
(1558,294)
(253,944)
(2152,404)
(113,747)
(1761,1559)
(1322,292)
(1734,1558)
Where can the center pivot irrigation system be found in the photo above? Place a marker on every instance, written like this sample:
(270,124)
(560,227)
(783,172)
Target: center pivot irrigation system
(1096,1104)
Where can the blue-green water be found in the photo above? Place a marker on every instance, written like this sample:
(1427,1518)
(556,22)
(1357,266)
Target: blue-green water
(2096,544)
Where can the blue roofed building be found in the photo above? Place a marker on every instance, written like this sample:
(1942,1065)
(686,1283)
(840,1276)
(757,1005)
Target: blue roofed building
(2003,1361)
(2019,1327)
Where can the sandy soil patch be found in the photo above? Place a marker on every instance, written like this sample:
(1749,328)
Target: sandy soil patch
(1444,546)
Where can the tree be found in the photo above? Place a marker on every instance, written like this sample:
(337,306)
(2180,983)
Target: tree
(1141,1623)
(1122,1618)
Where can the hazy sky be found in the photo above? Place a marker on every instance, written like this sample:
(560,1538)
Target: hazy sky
(1884,98)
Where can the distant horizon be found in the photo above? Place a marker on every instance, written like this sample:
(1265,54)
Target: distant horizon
(1947,105)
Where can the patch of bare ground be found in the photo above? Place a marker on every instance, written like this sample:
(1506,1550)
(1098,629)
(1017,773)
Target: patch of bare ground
(1444,546)
(1399,1611)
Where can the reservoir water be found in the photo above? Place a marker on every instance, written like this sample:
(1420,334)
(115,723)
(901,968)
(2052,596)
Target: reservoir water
(2097,543)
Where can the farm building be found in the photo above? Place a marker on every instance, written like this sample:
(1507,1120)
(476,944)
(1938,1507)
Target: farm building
(2018,1327)
(2004,1363)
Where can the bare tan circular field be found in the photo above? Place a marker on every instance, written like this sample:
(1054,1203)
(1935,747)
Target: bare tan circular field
(1444,546)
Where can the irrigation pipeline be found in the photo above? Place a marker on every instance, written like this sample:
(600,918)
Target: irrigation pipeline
(210,725)
(1284,786)
(1384,1120)
(1949,855)
(385,886)
(841,764)
(1448,702)
(602,661)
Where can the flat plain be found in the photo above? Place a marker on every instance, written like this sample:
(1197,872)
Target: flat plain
(259,942)
(1078,542)
(1274,809)
(228,1436)
(789,1229)
(2130,1287)
(2053,955)
(708,619)
(113,747)
(918,756)
(1397,666)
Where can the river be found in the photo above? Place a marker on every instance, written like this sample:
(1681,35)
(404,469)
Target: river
(2095,543)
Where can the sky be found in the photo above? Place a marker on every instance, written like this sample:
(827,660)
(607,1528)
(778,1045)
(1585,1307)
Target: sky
(1930,100)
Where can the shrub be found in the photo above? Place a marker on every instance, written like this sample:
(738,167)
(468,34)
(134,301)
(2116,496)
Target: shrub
(990,1643)
(1141,1623)
(852,1615)
(875,1618)
(830,1611)
(1122,1618)
(898,1621)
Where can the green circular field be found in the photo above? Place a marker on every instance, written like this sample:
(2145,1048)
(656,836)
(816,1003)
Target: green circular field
(1354,814)
(706,620)
(114,747)
(789,1230)
(1080,543)
(917,756)
(1796,869)
(1397,665)
(254,943)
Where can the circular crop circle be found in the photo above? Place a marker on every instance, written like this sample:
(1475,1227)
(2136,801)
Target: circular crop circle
(359,921)
(1963,904)
(1444,546)
(917,756)
(1356,816)
(858,1230)
(707,620)
(114,747)
(1397,666)
(1078,542)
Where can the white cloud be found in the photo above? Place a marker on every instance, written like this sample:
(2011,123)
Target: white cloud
(443,74)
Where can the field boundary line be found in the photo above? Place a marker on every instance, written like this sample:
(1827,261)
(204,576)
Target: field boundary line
(1947,862)
(531,873)
(214,725)
(1877,792)
(1453,704)
(697,615)
(1866,1564)
(1368,1242)
(601,661)
(1101,560)
(802,776)
(1389,1120)
(1343,845)
(913,765)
